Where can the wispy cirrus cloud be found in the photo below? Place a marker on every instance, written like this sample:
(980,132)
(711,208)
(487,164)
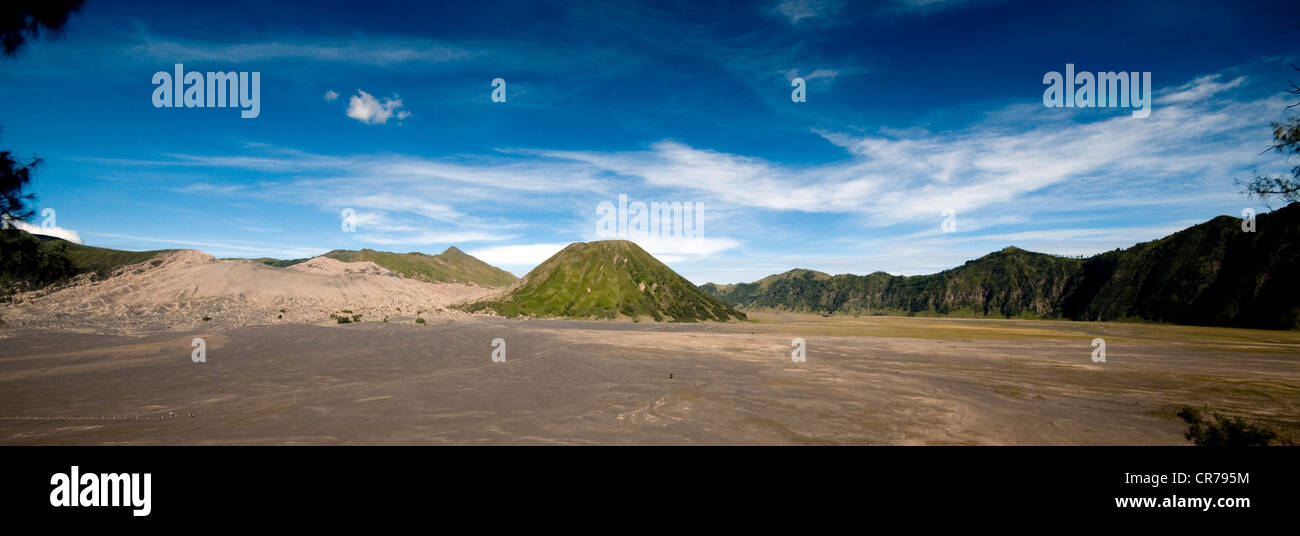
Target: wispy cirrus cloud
(372,51)
(931,6)
(218,248)
(426,237)
(397,199)
(997,163)
(804,12)
(1199,89)
(798,10)
(1023,167)
(489,175)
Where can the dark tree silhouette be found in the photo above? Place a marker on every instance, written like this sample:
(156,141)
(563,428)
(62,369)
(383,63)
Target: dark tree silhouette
(23,262)
(20,19)
(14,177)
(1286,140)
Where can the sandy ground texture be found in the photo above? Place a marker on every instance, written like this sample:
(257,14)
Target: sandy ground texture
(176,291)
(876,380)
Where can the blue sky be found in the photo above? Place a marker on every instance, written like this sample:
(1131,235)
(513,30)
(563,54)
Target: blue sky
(913,107)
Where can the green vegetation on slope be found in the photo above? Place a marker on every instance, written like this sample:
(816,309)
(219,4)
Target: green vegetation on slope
(32,261)
(450,266)
(102,261)
(278,263)
(1209,274)
(604,280)
(1212,429)
(1008,283)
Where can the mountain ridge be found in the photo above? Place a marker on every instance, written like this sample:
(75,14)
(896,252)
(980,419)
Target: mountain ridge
(1211,273)
(450,266)
(30,260)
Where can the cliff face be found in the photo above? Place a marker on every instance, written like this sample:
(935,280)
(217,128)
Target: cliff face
(1212,273)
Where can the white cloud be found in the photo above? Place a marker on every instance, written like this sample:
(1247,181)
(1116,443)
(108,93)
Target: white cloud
(523,257)
(414,177)
(431,237)
(1197,90)
(797,10)
(732,178)
(407,200)
(1063,235)
(995,166)
(821,77)
(54,231)
(204,187)
(1017,175)
(404,203)
(677,249)
(222,249)
(365,108)
(331,95)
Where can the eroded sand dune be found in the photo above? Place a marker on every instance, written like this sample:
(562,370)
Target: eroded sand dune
(177,290)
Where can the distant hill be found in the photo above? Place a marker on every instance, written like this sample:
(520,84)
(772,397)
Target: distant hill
(450,266)
(1208,274)
(607,279)
(278,263)
(95,259)
(28,260)
(1008,283)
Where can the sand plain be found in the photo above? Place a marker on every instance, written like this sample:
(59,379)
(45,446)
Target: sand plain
(866,381)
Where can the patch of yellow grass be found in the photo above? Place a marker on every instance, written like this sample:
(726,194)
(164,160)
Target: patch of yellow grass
(1200,337)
